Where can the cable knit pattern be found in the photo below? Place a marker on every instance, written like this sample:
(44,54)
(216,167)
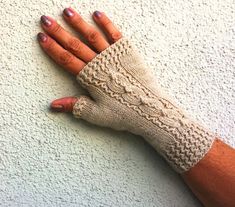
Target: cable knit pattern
(118,80)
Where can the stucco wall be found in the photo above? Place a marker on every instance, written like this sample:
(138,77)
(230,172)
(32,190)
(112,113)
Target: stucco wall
(49,159)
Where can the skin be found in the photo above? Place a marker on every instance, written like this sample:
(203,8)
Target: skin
(212,179)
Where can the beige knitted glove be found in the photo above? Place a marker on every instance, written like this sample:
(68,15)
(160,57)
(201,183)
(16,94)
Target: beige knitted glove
(125,96)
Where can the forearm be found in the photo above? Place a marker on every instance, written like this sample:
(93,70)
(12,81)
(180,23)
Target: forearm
(212,179)
(124,96)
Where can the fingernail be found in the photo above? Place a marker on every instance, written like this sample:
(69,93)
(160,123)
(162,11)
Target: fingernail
(46,21)
(68,12)
(42,37)
(64,104)
(57,107)
(97,14)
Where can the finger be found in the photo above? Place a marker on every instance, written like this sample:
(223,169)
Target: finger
(92,35)
(60,55)
(64,104)
(111,31)
(69,42)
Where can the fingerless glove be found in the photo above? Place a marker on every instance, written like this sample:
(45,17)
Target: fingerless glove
(125,96)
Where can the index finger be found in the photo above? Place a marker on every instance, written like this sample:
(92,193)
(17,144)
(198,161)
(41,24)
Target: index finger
(60,55)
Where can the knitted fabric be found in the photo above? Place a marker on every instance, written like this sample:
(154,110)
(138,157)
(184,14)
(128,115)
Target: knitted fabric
(125,96)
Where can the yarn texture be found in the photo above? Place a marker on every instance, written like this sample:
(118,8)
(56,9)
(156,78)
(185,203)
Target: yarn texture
(125,96)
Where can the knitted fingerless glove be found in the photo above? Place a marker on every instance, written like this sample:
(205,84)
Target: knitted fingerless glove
(125,96)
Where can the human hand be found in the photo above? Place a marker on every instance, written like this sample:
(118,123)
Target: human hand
(124,93)
(69,51)
(125,96)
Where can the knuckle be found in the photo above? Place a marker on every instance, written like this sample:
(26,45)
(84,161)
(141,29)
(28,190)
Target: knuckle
(49,47)
(74,45)
(56,29)
(65,58)
(116,36)
(106,22)
(77,20)
(93,36)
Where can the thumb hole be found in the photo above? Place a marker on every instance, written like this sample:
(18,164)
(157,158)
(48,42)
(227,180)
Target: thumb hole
(82,106)
(85,108)
(97,113)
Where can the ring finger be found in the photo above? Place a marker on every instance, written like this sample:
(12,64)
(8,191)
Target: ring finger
(92,35)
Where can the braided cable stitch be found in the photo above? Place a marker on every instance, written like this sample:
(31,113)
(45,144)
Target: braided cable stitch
(111,71)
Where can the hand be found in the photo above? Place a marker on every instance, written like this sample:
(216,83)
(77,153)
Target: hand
(124,95)
(69,51)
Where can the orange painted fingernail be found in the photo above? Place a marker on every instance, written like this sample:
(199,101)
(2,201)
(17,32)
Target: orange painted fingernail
(97,14)
(63,104)
(59,108)
(68,12)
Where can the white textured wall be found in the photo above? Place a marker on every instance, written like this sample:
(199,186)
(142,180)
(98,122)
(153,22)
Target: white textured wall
(49,159)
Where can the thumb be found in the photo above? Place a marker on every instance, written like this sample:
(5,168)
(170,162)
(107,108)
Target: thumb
(81,107)
(85,108)
(64,104)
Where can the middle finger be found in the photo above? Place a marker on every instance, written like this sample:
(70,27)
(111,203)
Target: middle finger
(69,42)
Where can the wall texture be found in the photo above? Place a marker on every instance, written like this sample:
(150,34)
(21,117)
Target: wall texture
(49,159)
